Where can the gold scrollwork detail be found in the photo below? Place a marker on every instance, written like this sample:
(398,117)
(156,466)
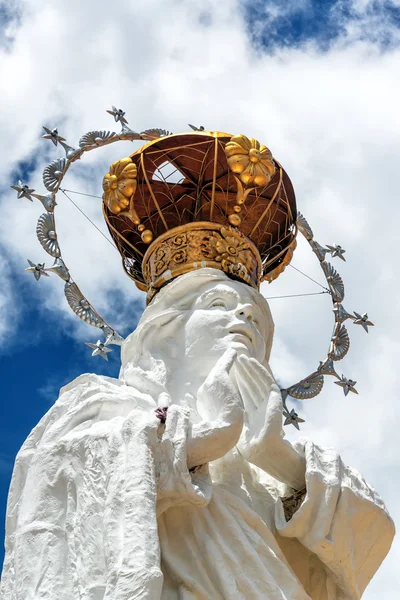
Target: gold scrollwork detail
(173,251)
(201,245)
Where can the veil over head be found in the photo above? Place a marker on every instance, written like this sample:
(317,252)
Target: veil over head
(173,300)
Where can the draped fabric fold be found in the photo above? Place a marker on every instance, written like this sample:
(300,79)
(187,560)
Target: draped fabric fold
(103,507)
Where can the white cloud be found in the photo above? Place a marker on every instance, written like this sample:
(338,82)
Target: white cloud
(9,314)
(332,119)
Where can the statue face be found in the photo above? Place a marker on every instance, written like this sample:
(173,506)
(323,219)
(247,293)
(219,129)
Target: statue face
(224,316)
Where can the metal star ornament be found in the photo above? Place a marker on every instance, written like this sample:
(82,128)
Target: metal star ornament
(52,134)
(23,190)
(336,250)
(37,270)
(292,418)
(201,128)
(99,349)
(347,385)
(363,321)
(118,115)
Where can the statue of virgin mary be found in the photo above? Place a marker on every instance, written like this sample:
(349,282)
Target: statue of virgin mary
(175,481)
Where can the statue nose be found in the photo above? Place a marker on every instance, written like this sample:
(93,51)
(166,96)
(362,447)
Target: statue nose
(245,311)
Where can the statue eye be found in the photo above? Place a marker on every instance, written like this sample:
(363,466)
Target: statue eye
(218,304)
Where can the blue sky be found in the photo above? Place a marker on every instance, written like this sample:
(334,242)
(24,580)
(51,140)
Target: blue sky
(316,81)
(275,24)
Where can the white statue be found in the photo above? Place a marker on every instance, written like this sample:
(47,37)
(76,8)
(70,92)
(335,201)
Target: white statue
(109,503)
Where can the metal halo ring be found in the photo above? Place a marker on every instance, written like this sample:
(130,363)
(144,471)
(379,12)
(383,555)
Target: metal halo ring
(311,386)
(53,175)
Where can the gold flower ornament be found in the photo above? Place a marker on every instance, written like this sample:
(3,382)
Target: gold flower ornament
(229,247)
(250,160)
(119,186)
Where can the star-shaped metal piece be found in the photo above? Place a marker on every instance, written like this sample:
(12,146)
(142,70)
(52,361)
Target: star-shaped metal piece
(341,313)
(327,367)
(118,115)
(23,190)
(336,250)
(52,134)
(363,321)
(99,349)
(201,128)
(347,385)
(112,337)
(292,418)
(37,270)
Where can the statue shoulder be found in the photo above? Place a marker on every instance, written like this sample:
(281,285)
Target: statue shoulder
(90,381)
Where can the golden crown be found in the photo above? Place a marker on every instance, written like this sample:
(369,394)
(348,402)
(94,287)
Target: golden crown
(200,199)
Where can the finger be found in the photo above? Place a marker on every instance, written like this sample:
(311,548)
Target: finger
(226,361)
(262,376)
(245,393)
(258,393)
(260,390)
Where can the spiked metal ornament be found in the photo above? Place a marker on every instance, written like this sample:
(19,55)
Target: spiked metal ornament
(99,349)
(292,418)
(52,134)
(336,250)
(347,385)
(118,114)
(38,270)
(363,321)
(23,191)
(201,128)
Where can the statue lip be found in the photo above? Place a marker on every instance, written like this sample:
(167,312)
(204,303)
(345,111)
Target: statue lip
(242,330)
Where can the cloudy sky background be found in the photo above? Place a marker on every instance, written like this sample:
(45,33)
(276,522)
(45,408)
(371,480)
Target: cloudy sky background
(318,82)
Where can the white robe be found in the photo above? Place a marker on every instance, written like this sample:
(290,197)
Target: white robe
(103,507)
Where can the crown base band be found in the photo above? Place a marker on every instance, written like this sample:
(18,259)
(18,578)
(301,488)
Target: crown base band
(196,246)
